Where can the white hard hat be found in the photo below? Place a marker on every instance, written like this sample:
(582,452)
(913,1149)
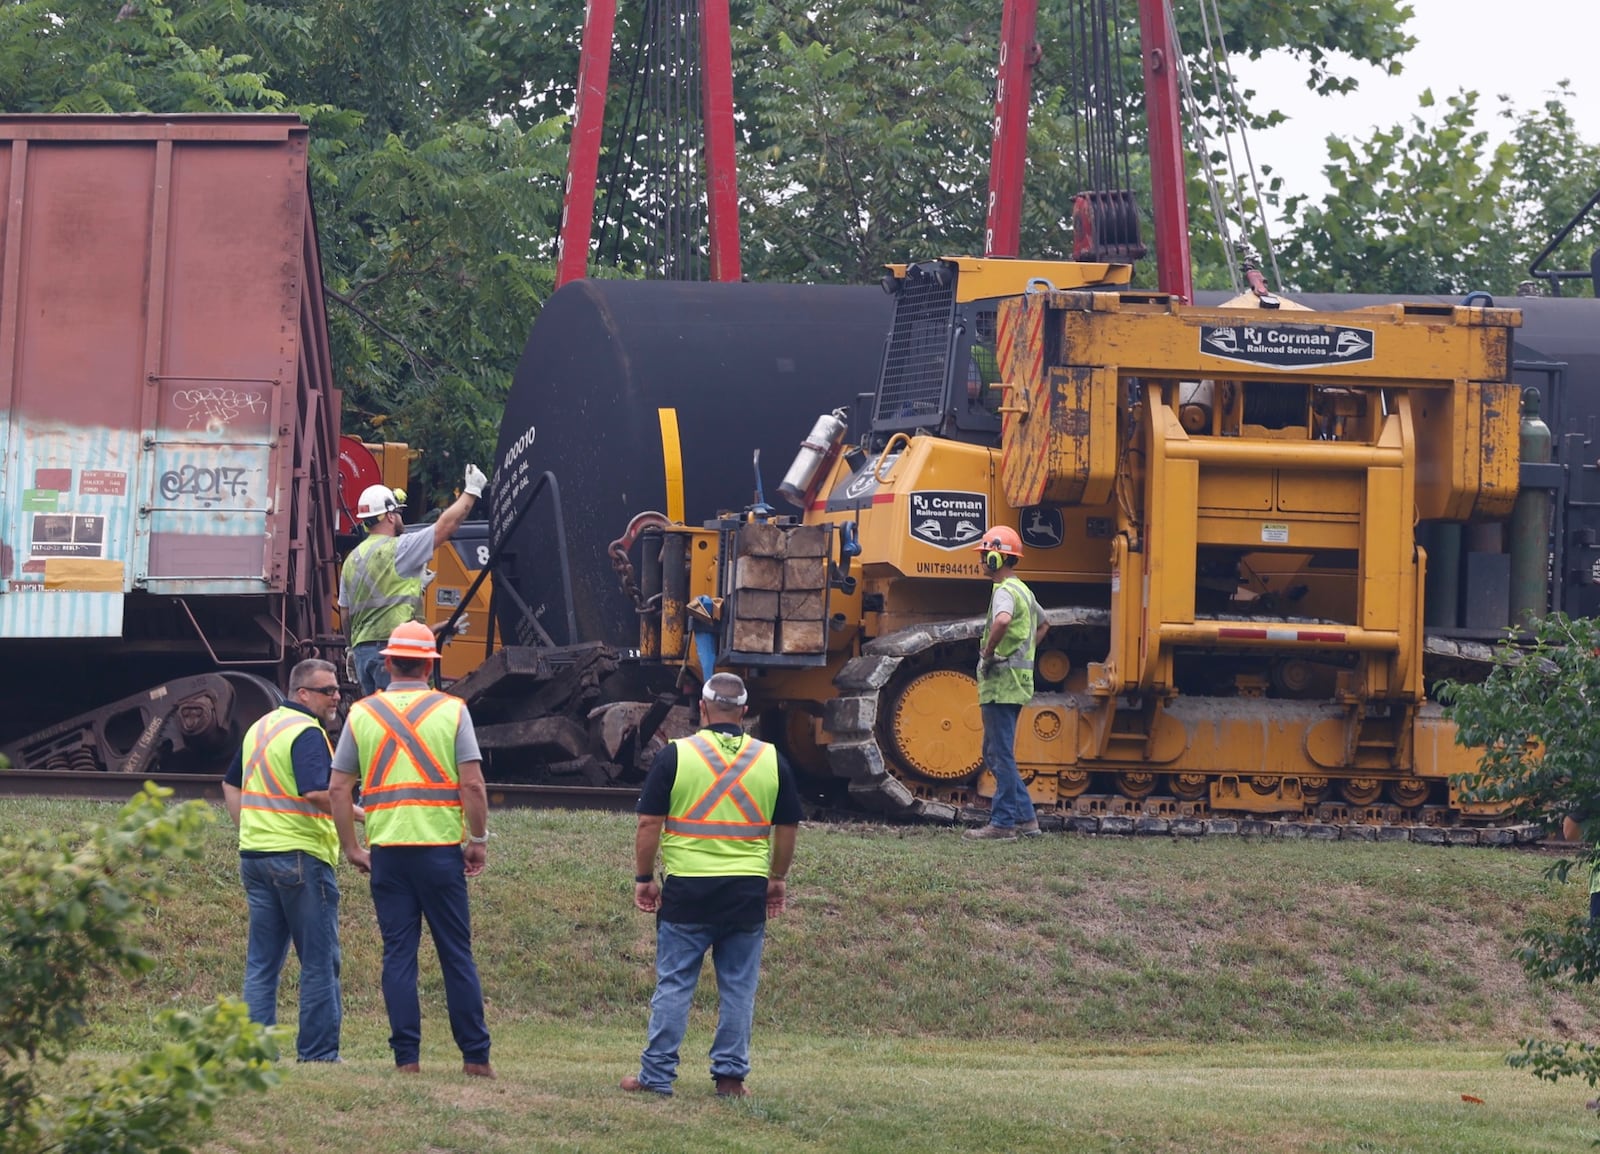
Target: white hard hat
(376,500)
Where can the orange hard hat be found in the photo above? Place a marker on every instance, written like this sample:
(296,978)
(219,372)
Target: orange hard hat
(1000,539)
(413,639)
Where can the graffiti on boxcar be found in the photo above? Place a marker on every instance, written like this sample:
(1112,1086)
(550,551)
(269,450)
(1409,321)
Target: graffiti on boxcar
(206,484)
(217,406)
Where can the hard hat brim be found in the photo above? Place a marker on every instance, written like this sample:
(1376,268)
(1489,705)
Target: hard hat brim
(391,651)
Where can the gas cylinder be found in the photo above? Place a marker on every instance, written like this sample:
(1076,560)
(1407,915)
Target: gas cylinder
(1530,524)
(814,450)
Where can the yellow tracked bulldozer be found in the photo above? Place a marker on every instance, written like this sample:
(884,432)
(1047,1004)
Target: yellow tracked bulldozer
(1220,509)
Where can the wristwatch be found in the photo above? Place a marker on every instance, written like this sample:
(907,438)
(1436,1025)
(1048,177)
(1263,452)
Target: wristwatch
(484,840)
(641,879)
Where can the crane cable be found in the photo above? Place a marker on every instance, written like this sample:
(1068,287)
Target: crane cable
(1100,148)
(1230,107)
(656,162)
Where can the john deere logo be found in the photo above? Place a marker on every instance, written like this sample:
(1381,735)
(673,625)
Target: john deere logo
(1042,527)
(1286,346)
(948,520)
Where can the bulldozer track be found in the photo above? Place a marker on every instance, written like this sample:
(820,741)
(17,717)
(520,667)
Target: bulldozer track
(856,754)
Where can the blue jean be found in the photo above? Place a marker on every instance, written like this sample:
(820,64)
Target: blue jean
(410,883)
(371,672)
(1011,806)
(294,898)
(680,950)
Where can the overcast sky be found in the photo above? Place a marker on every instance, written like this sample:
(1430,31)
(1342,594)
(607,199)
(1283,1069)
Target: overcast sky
(1518,48)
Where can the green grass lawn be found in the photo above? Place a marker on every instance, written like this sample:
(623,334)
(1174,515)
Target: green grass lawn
(925,993)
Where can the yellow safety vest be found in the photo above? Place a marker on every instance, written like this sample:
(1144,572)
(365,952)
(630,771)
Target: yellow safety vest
(273,817)
(1009,679)
(380,598)
(720,819)
(410,788)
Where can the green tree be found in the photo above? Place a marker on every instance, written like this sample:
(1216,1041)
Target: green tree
(69,904)
(75,56)
(868,124)
(437,196)
(1436,207)
(1535,717)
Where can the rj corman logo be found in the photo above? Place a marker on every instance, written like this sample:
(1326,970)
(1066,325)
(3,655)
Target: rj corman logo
(948,520)
(1286,346)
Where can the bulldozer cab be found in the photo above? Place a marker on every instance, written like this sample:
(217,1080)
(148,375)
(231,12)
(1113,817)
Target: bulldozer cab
(940,366)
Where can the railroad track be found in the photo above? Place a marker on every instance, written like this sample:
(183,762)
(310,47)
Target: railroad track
(208,787)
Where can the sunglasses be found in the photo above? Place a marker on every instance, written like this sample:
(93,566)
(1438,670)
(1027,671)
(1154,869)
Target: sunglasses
(328,690)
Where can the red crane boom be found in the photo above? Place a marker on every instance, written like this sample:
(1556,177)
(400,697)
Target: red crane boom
(1019,53)
(583,156)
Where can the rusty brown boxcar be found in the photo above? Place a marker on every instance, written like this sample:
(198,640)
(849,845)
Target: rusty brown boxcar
(168,432)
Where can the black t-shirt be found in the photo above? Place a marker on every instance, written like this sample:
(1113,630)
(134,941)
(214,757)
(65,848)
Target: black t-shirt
(737,899)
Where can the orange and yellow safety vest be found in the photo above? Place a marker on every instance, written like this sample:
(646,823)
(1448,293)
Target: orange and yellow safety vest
(273,816)
(720,817)
(410,786)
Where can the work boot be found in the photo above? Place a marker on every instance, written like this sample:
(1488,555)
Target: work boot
(633,1086)
(477,1069)
(408,1068)
(731,1087)
(991,833)
(1030,828)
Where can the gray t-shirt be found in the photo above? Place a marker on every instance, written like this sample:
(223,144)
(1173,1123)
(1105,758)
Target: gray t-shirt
(347,759)
(412,552)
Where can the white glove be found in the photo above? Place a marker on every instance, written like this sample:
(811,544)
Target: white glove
(475,481)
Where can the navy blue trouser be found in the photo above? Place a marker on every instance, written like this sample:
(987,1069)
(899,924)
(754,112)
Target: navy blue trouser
(410,883)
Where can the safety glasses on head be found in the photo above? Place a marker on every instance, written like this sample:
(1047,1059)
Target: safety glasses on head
(727,682)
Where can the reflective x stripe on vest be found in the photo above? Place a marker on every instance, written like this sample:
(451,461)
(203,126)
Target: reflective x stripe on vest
(379,597)
(727,785)
(720,817)
(411,788)
(273,817)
